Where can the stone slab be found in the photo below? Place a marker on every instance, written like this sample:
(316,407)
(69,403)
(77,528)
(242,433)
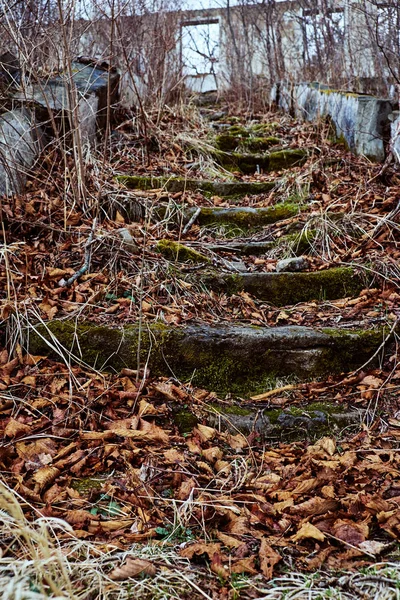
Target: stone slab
(239,359)
(182,184)
(282,289)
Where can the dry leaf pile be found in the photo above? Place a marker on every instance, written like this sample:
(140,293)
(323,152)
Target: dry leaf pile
(105,454)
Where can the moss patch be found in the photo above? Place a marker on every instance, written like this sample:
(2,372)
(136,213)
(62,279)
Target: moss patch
(228,142)
(260,144)
(176,251)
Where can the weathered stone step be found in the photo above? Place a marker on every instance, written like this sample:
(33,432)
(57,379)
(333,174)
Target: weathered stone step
(309,421)
(250,163)
(242,217)
(239,359)
(283,289)
(298,242)
(181,184)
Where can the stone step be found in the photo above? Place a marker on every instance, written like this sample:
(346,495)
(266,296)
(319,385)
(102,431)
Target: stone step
(242,216)
(243,360)
(299,243)
(249,163)
(306,422)
(282,289)
(182,184)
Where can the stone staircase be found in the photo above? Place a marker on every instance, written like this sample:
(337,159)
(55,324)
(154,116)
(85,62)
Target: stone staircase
(237,359)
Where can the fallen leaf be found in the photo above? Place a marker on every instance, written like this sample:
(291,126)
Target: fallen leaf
(268,559)
(306,531)
(200,548)
(133,568)
(205,433)
(16,429)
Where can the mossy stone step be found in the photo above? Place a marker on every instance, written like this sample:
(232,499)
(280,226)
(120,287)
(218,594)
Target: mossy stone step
(282,289)
(299,243)
(239,359)
(243,217)
(250,163)
(182,184)
(306,422)
(228,142)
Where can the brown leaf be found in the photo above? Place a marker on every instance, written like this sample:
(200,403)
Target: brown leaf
(205,433)
(212,454)
(303,487)
(237,442)
(16,429)
(200,548)
(352,533)
(78,516)
(307,530)
(45,476)
(133,567)
(372,382)
(186,489)
(228,540)
(244,565)
(29,380)
(217,566)
(314,506)
(268,559)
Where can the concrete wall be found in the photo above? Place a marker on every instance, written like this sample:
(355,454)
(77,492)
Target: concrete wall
(362,122)
(20,145)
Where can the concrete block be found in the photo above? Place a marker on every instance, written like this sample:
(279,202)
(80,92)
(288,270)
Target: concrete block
(20,144)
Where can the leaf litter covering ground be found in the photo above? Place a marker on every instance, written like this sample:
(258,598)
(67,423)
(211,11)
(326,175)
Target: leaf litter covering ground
(352,211)
(103,453)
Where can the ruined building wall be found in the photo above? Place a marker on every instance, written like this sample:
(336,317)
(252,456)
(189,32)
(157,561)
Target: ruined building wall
(350,44)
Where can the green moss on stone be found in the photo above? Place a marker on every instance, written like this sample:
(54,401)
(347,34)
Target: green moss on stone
(245,218)
(260,144)
(176,251)
(226,142)
(285,159)
(238,131)
(249,163)
(283,289)
(185,420)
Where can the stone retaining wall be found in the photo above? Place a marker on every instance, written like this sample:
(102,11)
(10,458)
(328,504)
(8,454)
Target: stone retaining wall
(363,122)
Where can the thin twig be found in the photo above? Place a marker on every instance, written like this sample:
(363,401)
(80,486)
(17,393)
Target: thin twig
(85,266)
(191,221)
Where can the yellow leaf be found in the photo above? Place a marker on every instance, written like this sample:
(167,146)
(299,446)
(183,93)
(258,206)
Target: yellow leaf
(29,380)
(307,530)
